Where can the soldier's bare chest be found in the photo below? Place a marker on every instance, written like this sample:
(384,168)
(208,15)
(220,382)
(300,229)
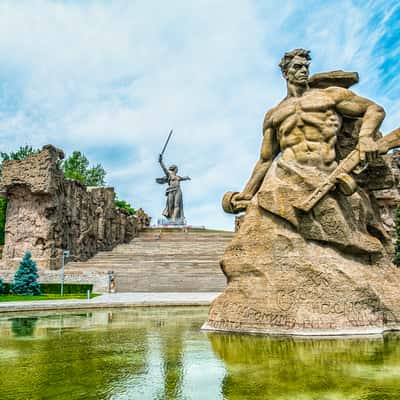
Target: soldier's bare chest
(310,102)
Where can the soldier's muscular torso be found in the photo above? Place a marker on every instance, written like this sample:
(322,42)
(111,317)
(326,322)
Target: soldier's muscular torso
(307,128)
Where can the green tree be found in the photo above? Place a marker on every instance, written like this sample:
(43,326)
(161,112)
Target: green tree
(26,277)
(126,206)
(397,252)
(1,286)
(77,167)
(95,176)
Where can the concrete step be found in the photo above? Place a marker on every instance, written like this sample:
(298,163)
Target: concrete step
(177,262)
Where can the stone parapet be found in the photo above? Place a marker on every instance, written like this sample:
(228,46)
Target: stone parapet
(47,213)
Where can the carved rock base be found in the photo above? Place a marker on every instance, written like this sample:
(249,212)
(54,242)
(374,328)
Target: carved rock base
(282,284)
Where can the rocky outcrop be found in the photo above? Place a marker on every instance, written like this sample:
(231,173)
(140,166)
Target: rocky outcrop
(47,213)
(280,283)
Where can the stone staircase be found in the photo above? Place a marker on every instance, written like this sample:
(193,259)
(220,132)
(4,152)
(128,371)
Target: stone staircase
(176,261)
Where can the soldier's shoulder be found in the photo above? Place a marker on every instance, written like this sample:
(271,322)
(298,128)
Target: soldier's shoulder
(283,103)
(269,114)
(269,117)
(336,91)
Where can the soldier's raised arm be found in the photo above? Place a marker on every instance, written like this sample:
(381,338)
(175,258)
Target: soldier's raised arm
(371,114)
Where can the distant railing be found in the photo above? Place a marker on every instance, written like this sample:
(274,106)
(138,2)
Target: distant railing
(182,227)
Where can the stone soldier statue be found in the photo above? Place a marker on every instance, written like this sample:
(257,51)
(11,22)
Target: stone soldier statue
(174,207)
(304,129)
(311,255)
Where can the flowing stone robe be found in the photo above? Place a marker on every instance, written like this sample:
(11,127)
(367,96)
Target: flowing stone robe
(174,204)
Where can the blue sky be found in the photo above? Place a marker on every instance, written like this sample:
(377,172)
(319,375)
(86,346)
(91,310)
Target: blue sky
(111,78)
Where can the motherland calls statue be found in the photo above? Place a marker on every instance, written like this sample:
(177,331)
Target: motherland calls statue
(174,207)
(311,255)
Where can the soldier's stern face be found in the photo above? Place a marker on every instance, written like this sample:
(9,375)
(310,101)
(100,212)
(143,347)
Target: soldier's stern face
(298,72)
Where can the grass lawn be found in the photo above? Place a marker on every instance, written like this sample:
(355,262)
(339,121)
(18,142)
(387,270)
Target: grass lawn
(46,297)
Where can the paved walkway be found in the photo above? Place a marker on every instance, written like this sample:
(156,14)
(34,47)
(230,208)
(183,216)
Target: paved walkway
(114,300)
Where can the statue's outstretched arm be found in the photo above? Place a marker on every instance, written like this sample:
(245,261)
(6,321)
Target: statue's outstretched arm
(185,178)
(164,168)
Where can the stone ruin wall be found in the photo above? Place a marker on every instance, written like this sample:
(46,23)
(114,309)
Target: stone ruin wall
(47,214)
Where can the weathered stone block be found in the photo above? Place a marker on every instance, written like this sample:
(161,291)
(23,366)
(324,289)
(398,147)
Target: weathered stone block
(280,283)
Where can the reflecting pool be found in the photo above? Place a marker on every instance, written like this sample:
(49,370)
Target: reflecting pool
(160,353)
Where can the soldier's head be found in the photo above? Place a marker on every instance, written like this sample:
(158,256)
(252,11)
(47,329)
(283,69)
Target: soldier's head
(173,168)
(294,66)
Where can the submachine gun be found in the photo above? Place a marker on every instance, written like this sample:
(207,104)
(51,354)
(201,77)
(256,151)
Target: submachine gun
(347,165)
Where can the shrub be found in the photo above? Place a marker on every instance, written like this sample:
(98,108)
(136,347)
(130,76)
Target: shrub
(26,277)
(55,288)
(7,286)
(69,288)
(1,286)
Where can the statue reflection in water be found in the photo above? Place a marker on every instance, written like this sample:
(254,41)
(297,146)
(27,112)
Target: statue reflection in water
(284,368)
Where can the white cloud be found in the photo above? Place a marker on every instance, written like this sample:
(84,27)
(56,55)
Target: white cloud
(91,75)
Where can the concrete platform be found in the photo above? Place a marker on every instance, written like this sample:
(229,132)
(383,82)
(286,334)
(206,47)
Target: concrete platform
(114,300)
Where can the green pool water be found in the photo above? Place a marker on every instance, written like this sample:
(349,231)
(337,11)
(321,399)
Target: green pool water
(160,353)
